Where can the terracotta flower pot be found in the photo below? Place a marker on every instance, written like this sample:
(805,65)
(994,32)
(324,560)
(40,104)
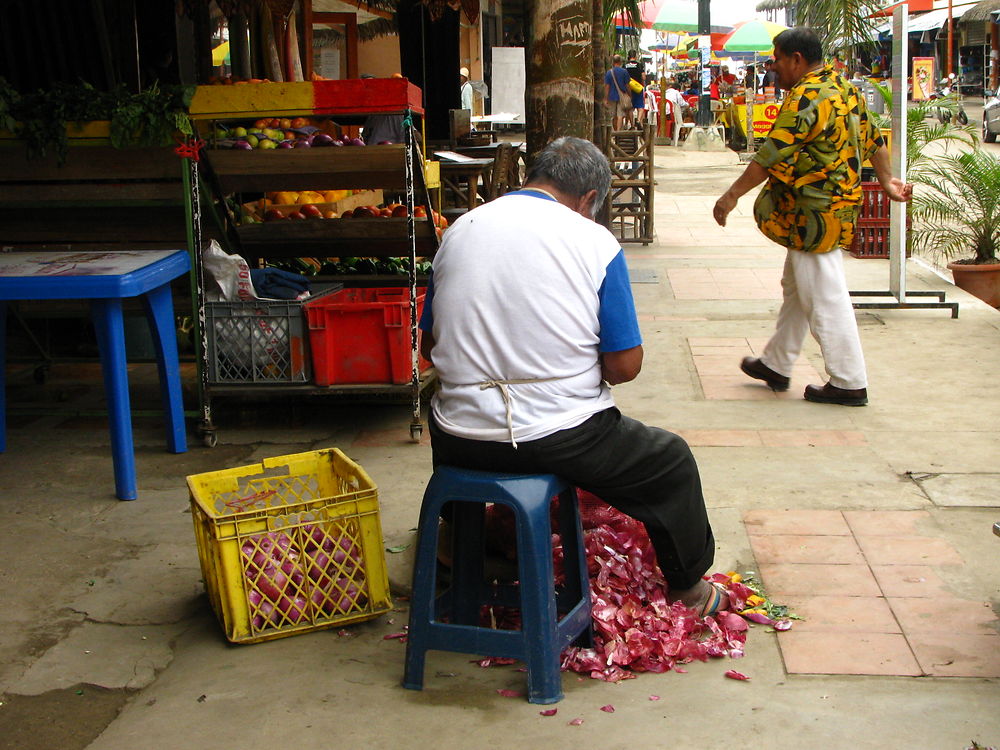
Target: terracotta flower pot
(982,281)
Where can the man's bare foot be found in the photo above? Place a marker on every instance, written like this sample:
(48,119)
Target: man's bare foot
(704,598)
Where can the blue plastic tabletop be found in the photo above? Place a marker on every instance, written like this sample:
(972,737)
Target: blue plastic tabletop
(88,275)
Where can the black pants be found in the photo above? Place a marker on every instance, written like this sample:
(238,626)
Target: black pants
(645,472)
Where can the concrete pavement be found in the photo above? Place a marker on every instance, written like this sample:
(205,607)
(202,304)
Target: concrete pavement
(875,522)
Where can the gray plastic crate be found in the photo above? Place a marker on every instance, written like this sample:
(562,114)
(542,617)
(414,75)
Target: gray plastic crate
(259,341)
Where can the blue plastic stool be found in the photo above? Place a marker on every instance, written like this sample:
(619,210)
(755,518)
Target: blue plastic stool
(543,635)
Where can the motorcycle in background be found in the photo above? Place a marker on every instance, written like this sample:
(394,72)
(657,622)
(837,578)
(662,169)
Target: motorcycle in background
(950,91)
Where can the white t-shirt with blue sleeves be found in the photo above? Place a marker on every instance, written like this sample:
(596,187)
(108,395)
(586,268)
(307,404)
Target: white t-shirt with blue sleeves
(525,288)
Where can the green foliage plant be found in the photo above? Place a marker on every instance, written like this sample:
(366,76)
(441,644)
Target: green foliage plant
(147,118)
(957,210)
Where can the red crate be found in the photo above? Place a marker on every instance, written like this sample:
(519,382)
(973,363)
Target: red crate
(362,336)
(871,236)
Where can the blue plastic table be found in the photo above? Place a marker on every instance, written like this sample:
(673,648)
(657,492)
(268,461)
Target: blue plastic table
(105,278)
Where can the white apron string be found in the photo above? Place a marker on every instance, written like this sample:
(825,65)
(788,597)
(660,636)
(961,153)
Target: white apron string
(505,392)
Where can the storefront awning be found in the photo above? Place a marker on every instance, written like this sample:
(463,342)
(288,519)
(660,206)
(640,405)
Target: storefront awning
(937,18)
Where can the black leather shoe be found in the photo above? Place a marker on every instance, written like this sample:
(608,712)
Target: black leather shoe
(757,369)
(831,394)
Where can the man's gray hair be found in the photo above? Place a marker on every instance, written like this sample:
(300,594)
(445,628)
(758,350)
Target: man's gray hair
(573,165)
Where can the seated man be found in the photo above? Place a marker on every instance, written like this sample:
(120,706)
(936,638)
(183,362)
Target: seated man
(528,319)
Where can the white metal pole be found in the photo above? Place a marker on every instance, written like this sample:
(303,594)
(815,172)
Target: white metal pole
(897,211)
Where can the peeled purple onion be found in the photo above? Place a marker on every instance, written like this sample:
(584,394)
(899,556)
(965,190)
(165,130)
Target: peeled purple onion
(322,139)
(286,144)
(294,609)
(242,146)
(274,587)
(345,139)
(318,567)
(301,143)
(357,142)
(385,143)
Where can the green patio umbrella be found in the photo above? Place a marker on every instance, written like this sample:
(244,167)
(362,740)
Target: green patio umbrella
(683,16)
(753,36)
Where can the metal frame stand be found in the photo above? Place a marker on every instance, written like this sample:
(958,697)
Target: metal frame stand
(904,304)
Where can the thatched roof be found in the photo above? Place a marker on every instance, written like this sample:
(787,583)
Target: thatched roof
(981,12)
(775,4)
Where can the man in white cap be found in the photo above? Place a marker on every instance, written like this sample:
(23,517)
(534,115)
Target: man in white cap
(466,89)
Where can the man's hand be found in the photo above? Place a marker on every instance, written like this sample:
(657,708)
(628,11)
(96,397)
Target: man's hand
(723,207)
(752,176)
(898,190)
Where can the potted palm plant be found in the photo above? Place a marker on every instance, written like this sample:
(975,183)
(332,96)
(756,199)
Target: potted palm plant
(956,215)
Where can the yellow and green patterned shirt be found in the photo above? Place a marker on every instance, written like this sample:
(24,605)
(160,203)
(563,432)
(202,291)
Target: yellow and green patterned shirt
(813,156)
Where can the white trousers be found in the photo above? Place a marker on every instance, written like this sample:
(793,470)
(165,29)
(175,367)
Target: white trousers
(816,299)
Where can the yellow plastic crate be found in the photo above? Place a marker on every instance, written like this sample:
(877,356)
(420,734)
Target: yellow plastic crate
(290,545)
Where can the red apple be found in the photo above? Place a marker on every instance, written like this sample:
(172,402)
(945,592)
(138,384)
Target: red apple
(296,215)
(299,122)
(310,211)
(273,214)
(399,211)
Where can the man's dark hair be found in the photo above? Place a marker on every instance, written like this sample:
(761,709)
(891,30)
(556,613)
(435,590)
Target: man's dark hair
(616,60)
(631,55)
(803,40)
(573,165)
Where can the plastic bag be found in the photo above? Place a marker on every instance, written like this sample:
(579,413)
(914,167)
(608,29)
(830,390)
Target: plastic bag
(227,277)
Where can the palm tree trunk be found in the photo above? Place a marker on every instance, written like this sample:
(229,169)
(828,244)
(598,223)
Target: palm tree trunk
(560,91)
(602,62)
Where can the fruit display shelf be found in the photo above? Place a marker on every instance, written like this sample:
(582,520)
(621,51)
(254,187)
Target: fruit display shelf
(346,97)
(369,167)
(372,237)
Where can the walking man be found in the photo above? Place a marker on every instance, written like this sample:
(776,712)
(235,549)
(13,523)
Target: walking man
(812,160)
(617,93)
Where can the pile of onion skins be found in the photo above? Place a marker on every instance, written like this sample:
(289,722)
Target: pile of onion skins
(635,628)
(303,575)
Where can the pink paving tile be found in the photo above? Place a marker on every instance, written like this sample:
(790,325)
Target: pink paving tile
(944,614)
(796,522)
(791,548)
(855,614)
(957,654)
(908,580)
(847,653)
(885,522)
(812,438)
(715,365)
(721,438)
(694,341)
(908,550)
(806,579)
(728,389)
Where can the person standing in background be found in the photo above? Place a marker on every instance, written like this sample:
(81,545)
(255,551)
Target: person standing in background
(637,72)
(463,76)
(617,94)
